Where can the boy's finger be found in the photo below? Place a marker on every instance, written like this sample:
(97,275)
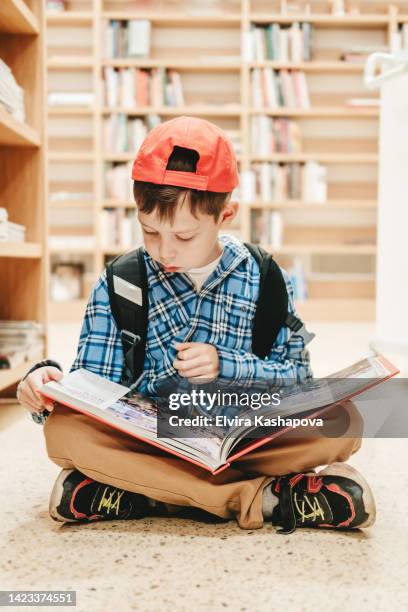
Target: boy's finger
(30,393)
(197,371)
(188,365)
(189,353)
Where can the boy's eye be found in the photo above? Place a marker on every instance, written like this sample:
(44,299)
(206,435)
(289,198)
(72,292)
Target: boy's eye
(150,233)
(185,239)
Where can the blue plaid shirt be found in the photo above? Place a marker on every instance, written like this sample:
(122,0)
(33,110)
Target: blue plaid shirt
(221,314)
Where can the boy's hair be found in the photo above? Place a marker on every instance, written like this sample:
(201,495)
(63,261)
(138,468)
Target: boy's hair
(165,198)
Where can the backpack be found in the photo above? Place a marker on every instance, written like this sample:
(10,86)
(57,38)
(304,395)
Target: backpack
(127,287)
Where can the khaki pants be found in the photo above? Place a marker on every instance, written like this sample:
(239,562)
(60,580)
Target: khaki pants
(109,456)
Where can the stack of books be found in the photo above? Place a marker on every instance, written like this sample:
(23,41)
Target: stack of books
(282,44)
(279,88)
(272,182)
(10,232)
(128,38)
(118,185)
(20,341)
(11,94)
(120,228)
(124,134)
(270,135)
(132,87)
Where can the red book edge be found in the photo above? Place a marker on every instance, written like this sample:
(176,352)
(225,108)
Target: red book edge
(246,449)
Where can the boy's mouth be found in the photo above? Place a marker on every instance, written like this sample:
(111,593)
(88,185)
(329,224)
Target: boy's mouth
(170,268)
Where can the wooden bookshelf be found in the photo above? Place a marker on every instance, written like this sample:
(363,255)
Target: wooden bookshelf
(355,197)
(17,18)
(23,266)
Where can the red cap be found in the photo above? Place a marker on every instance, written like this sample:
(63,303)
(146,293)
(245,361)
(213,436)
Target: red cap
(216,168)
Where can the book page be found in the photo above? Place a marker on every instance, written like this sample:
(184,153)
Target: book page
(88,387)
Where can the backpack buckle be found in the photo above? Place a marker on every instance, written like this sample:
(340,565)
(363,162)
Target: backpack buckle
(130,337)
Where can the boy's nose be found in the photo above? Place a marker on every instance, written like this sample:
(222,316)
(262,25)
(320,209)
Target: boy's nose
(166,251)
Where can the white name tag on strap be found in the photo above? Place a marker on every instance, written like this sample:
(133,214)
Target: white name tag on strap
(130,292)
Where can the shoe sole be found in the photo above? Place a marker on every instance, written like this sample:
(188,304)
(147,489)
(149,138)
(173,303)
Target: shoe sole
(56,496)
(344,469)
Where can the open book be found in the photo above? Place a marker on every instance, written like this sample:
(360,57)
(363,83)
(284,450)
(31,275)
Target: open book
(213,448)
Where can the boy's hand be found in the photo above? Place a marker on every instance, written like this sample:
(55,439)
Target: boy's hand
(28,390)
(197,360)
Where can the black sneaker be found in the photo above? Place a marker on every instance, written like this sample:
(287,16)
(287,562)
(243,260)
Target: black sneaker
(76,497)
(337,497)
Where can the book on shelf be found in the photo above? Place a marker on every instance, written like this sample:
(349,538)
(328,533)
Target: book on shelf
(130,38)
(70,98)
(359,53)
(276,182)
(11,94)
(399,39)
(133,87)
(10,232)
(314,189)
(279,88)
(118,185)
(124,134)
(120,228)
(215,439)
(279,43)
(271,135)
(20,341)
(267,228)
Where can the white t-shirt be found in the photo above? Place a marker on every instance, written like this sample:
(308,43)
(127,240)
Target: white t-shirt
(200,275)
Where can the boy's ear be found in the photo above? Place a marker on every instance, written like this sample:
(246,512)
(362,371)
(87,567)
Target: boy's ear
(229,212)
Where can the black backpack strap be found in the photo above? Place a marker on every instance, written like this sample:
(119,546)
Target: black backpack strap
(127,287)
(272,307)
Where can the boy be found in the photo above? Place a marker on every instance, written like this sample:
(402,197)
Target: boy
(184,175)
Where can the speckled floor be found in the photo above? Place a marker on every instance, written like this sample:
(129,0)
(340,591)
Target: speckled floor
(181,564)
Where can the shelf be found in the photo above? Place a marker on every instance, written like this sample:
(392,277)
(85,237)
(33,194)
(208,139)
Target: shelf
(329,205)
(324,111)
(66,312)
(209,111)
(70,156)
(70,110)
(69,18)
(27,250)
(323,249)
(336,309)
(16,18)
(196,64)
(16,133)
(323,20)
(328,158)
(313,66)
(180,19)
(14,375)
(69,62)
